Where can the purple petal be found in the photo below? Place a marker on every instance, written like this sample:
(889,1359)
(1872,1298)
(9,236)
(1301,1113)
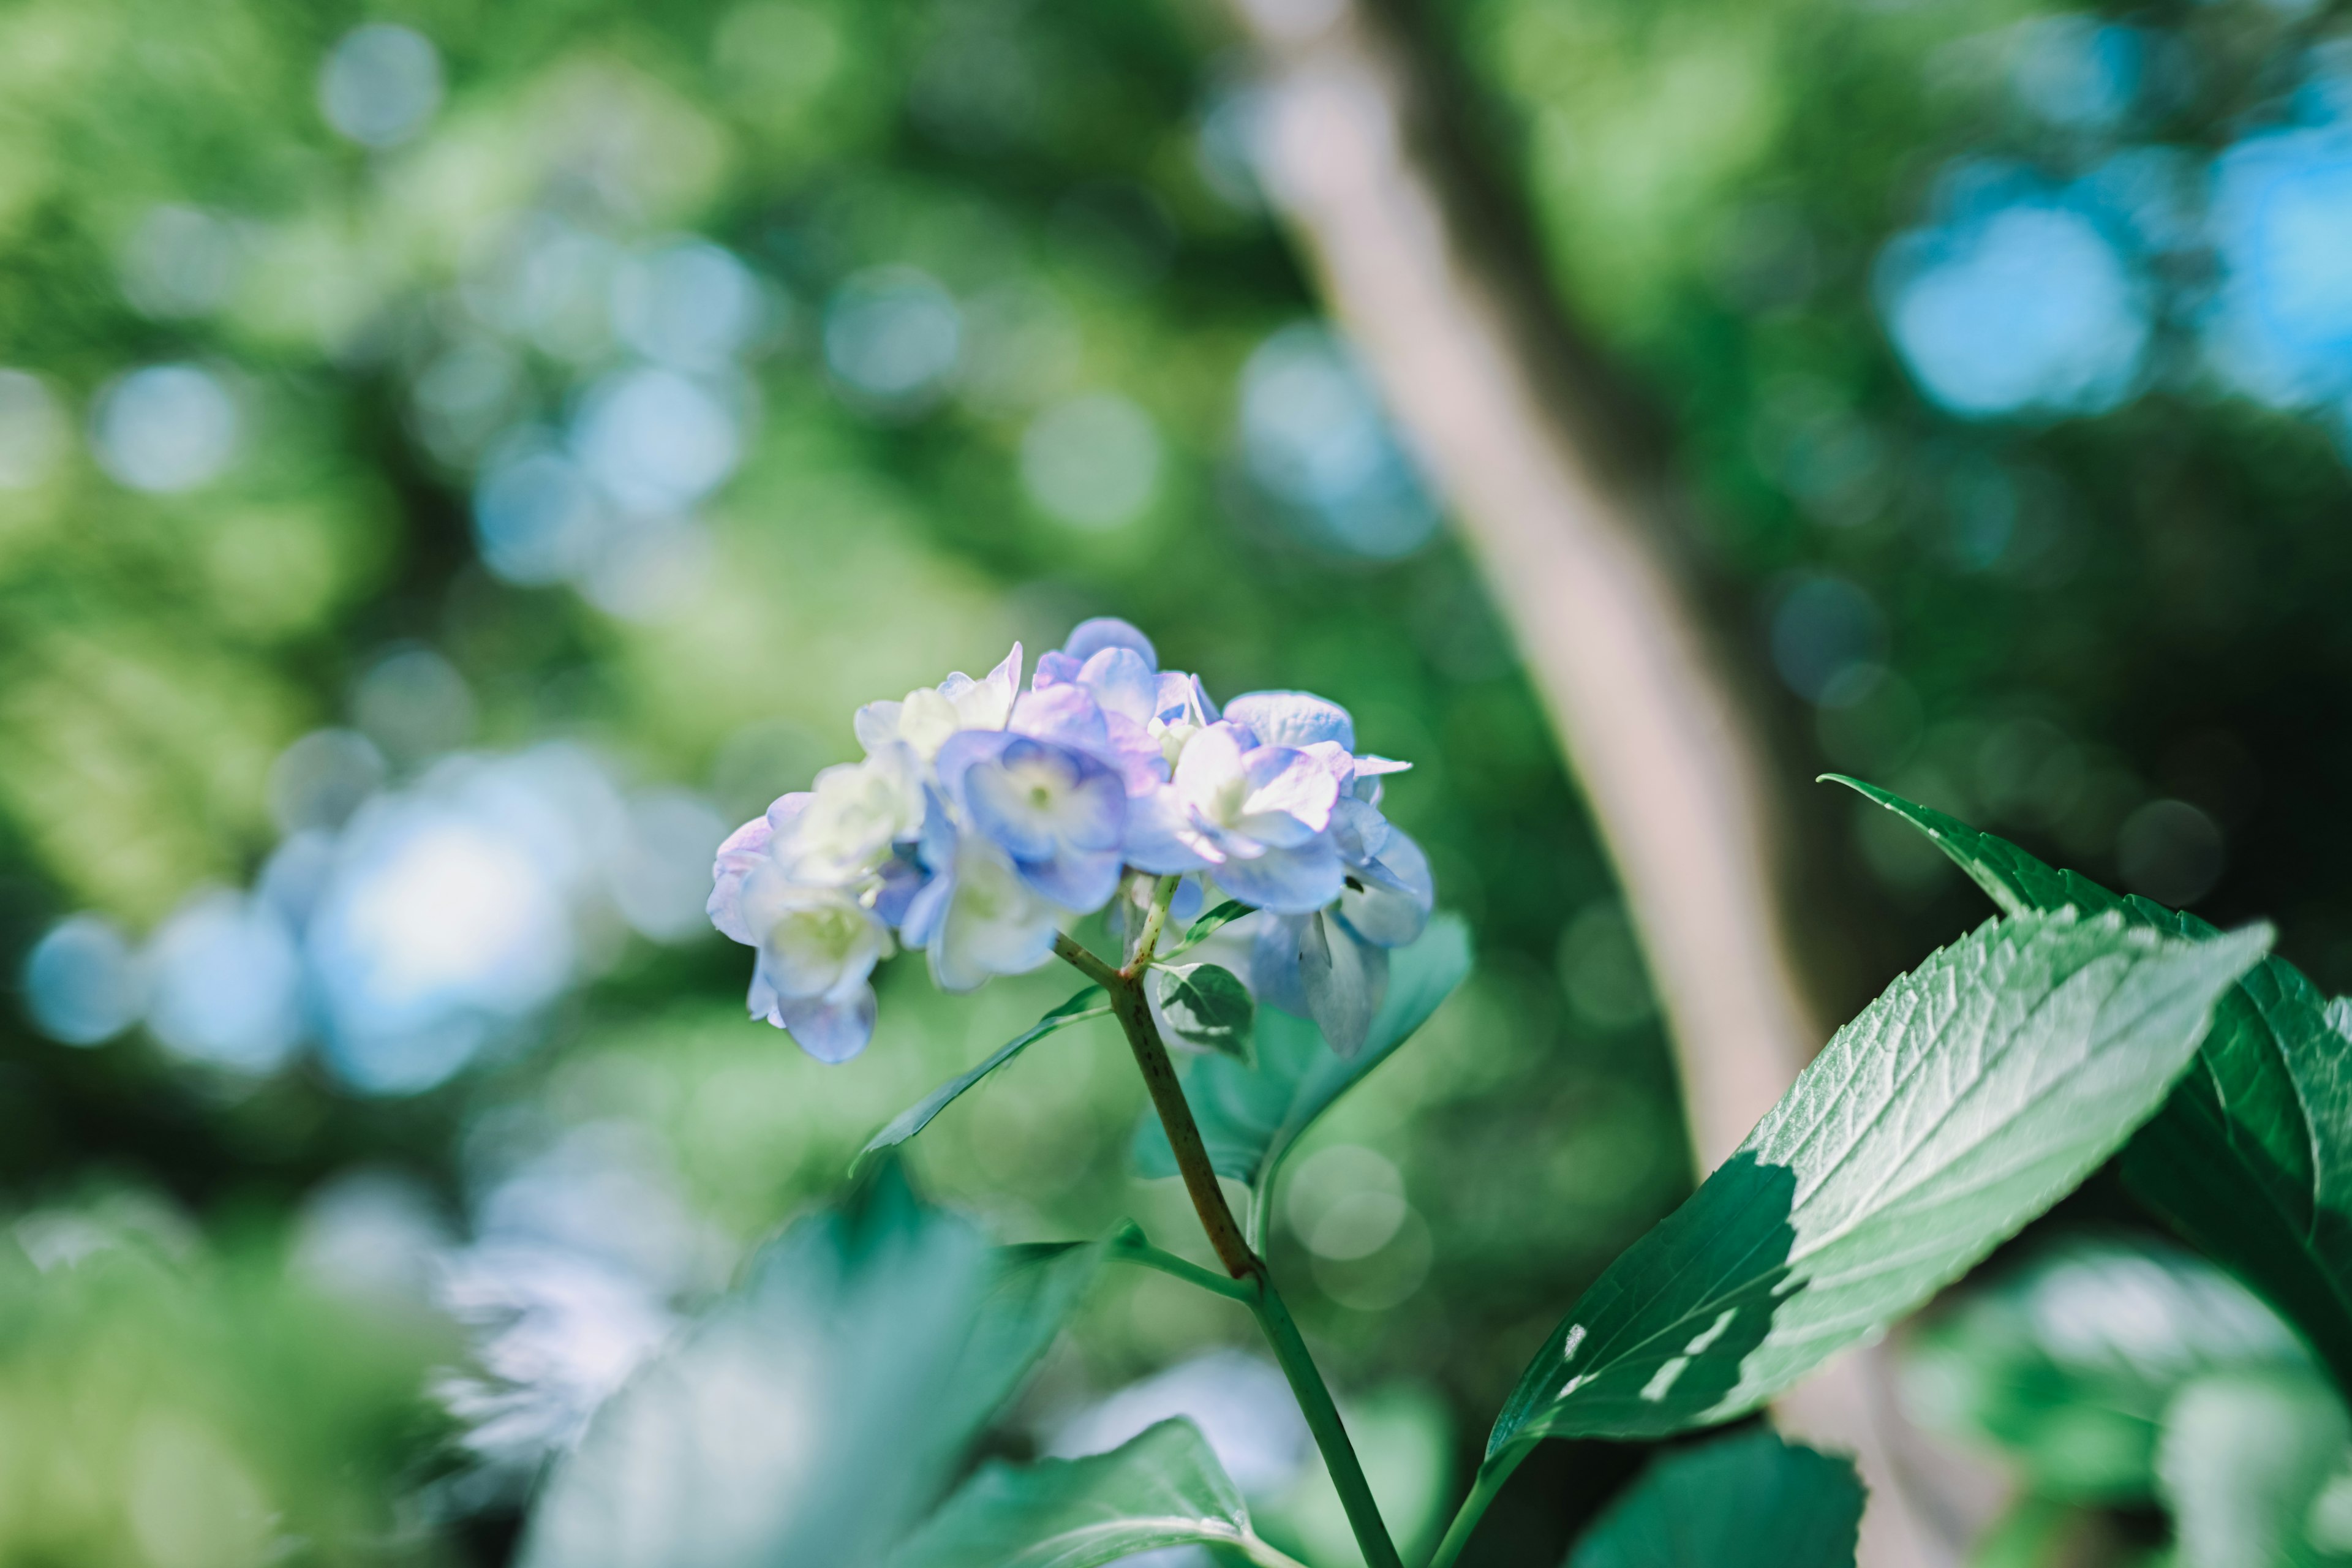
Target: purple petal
(1212,760)
(902,878)
(1289,881)
(1136,755)
(1181,698)
(1345,980)
(1006,676)
(962,750)
(1065,715)
(1089,638)
(1054,669)
(937,847)
(1273,962)
(1163,834)
(1292,718)
(829,1031)
(1081,882)
(927,908)
(742,851)
(1286,783)
(1359,830)
(1122,683)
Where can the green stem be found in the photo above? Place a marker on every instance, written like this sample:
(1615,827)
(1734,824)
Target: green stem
(1491,1477)
(1323,1420)
(1162,894)
(1251,1282)
(1129,1247)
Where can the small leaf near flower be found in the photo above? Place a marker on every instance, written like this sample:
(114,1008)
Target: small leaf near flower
(1206,1006)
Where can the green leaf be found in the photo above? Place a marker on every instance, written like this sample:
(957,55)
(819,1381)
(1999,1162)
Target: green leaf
(1224,915)
(1747,1501)
(814,1413)
(1252,1115)
(1161,1488)
(2067,1362)
(1206,1006)
(915,1118)
(1975,1093)
(2251,1158)
(2244,1458)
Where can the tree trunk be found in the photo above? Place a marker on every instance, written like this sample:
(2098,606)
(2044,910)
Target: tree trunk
(1562,503)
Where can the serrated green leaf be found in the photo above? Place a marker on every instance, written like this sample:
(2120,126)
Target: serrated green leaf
(1748,1501)
(1251,1116)
(2066,1362)
(1972,1094)
(2251,1158)
(2243,1459)
(1207,1006)
(812,1414)
(1086,1005)
(1164,1487)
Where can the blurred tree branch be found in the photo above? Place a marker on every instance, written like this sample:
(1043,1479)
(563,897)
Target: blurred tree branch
(1562,498)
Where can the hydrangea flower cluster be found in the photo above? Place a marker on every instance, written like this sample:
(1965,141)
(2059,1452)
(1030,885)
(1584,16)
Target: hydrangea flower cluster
(984,819)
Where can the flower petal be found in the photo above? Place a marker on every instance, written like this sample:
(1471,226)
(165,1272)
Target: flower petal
(1065,715)
(1292,718)
(1122,683)
(1081,882)
(1282,782)
(1211,767)
(1289,881)
(1345,980)
(743,849)
(1274,962)
(830,1031)
(1387,902)
(1089,638)
(993,924)
(1163,834)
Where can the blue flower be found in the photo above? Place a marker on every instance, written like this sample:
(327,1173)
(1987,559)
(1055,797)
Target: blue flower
(977,917)
(983,816)
(1254,816)
(1057,814)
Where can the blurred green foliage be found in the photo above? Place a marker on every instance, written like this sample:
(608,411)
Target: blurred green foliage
(1709,184)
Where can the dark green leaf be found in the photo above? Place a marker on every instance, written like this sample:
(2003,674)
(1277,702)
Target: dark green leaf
(1251,1116)
(2066,1364)
(2243,1459)
(1748,1501)
(2251,1158)
(1086,1004)
(812,1414)
(1161,1488)
(1206,1006)
(1975,1093)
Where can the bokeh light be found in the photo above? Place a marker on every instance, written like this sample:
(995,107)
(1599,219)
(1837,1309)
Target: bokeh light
(165,427)
(381,84)
(1093,462)
(2018,303)
(1314,433)
(893,338)
(82,982)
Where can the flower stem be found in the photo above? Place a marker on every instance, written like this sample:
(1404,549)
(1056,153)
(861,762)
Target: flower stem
(1491,1477)
(1264,1302)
